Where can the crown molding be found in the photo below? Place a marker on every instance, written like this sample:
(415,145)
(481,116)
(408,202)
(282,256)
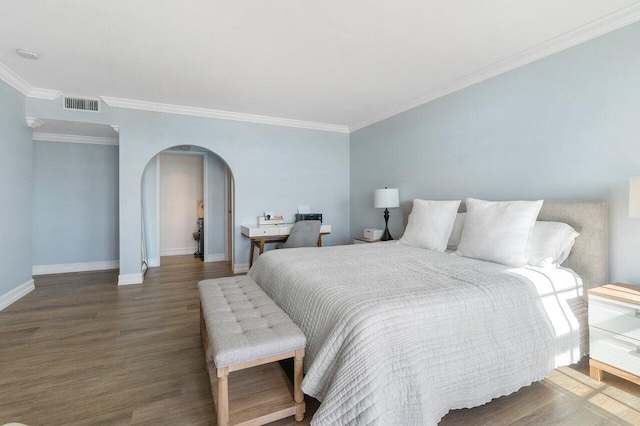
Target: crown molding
(55,137)
(606,24)
(34,122)
(44,94)
(18,83)
(14,80)
(223,115)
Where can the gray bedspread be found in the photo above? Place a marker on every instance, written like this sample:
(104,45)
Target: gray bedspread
(399,336)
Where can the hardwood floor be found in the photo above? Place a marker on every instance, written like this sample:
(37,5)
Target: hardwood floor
(79,350)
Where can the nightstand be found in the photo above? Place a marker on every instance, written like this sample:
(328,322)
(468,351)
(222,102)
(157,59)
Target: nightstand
(614,331)
(364,240)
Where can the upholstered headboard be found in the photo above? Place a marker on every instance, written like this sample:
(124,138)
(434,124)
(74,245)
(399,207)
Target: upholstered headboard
(589,257)
(590,254)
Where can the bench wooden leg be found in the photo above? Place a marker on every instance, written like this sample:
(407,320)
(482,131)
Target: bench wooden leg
(298,396)
(596,373)
(223,396)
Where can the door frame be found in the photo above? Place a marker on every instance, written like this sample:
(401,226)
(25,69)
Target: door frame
(205,197)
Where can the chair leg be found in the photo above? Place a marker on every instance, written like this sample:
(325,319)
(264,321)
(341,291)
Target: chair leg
(223,396)
(298,396)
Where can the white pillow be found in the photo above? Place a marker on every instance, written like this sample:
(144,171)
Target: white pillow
(456,232)
(499,232)
(430,224)
(551,244)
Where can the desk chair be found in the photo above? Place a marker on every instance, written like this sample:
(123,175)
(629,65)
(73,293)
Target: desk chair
(303,234)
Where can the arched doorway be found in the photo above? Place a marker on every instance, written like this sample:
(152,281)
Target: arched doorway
(169,205)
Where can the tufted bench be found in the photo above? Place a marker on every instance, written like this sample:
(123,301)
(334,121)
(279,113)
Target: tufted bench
(241,328)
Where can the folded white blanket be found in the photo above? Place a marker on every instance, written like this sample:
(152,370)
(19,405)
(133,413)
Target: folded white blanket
(399,335)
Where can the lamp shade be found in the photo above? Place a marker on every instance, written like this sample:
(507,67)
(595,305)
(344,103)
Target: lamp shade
(634,197)
(386,198)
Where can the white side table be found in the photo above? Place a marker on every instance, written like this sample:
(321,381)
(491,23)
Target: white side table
(363,240)
(614,331)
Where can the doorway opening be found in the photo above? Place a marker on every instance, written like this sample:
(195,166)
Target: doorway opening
(187,206)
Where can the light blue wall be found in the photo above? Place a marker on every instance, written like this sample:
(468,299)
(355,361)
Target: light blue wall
(75,203)
(274,167)
(563,128)
(15,190)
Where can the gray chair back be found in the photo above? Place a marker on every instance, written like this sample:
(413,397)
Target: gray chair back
(303,234)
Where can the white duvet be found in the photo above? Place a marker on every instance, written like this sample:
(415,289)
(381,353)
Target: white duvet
(399,335)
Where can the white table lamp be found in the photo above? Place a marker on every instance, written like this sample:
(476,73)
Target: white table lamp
(386,199)
(634,197)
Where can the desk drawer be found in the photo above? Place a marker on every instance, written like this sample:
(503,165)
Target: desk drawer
(614,349)
(266,232)
(615,316)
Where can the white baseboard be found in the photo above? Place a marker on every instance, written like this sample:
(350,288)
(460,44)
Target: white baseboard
(239,268)
(217,257)
(178,251)
(16,294)
(129,279)
(153,262)
(75,267)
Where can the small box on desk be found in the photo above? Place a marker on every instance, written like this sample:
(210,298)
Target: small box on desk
(309,216)
(374,234)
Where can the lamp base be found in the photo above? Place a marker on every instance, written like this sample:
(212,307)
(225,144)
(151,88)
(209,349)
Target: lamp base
(386,236)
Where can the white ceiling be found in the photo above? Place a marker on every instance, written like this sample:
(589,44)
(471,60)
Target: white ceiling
(339,62)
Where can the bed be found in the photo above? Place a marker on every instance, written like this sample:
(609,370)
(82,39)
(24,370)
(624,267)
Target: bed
(402,335)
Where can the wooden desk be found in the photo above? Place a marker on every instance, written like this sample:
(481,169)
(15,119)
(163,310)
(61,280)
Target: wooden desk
(265,234)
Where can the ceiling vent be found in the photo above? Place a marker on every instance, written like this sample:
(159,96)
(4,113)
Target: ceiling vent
(82,104)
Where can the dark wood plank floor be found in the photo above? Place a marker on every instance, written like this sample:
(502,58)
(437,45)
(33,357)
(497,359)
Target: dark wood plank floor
(79,350)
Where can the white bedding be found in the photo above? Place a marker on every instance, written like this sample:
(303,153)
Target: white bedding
(398,335)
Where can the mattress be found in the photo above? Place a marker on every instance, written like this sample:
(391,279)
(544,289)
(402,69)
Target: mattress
(401,335)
